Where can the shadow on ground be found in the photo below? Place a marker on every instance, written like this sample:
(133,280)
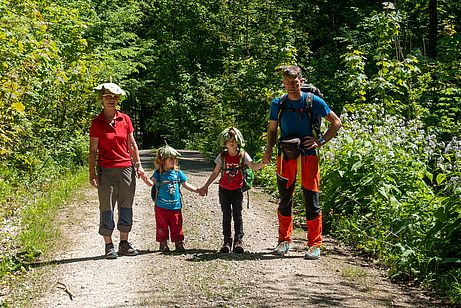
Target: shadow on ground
(83,259)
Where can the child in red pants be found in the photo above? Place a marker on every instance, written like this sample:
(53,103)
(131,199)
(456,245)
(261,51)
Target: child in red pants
(165,183)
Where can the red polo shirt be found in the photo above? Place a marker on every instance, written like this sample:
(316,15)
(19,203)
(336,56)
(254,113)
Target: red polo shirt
(113,140)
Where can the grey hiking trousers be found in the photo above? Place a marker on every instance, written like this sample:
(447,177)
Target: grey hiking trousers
(116,186)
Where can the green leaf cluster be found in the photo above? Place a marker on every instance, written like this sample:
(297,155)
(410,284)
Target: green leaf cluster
(381,194)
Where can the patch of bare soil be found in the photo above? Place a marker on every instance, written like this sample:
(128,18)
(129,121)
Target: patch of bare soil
(78,275)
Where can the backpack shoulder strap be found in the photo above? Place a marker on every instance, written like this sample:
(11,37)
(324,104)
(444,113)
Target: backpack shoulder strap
(283,99)
(309,98)
(242,161)
(223,164)
(159,182)
(307,103)
(177,181)
(315,121)
(176,172)
(282,103)
(223,161)
(156,187)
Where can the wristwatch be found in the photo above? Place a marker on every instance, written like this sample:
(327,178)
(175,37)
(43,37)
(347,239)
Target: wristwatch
(322,140)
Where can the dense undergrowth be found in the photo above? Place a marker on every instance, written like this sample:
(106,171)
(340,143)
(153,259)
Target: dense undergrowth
(393,190)
(31,230)
(31,197)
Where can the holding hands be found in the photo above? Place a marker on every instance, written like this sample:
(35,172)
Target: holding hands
(140,170)
(203,191)
(94,181)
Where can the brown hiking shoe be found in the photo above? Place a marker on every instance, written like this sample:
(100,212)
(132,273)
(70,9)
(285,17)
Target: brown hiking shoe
(226,247)
(238,247)
(126,249)
(164,247)
(179,246)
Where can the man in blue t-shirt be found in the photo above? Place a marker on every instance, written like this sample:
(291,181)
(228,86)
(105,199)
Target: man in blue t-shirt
(296,125)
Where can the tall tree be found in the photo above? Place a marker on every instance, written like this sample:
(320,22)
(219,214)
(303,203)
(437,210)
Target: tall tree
(433,26)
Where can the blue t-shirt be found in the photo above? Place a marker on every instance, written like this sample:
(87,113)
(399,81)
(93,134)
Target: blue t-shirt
(294,124)
(168,191)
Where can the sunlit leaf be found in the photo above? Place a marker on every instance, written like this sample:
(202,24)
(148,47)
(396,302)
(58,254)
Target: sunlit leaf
(440,178)
(18,106)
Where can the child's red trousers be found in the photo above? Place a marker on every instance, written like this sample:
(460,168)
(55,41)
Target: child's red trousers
(169,222)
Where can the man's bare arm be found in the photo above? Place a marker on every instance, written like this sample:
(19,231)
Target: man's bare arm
(271,140)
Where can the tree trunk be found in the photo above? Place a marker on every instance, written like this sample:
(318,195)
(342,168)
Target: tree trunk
(432,48)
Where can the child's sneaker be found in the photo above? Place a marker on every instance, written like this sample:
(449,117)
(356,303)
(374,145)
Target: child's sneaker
(164,247)
(282,248)
(238,247)
(313,253)
(179,246)
(226,247)
(126,249)
(110,252)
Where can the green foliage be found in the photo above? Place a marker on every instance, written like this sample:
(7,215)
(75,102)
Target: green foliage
(359,171)
(267,178)
(46,79)
(46,101)
(38,217)
(391,181)
(38,212)
(453,286)
(382,196)
(191,69)
(443,95)
(380,67)
(353,75)
(19,262)
(206,66)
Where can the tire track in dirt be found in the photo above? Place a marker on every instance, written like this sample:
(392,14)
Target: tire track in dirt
(202,277)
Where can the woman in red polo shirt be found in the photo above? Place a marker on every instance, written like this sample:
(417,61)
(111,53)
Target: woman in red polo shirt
(114,163)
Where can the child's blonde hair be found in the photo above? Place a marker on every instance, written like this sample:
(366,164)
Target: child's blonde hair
(163,153)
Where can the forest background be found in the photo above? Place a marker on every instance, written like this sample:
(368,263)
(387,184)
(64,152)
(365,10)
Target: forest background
(390,179)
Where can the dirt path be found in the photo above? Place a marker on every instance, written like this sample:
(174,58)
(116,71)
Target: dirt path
(78,275)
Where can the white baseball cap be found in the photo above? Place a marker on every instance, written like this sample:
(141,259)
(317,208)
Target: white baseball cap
(112,87)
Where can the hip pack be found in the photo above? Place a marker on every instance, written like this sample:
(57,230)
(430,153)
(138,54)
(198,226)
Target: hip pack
(291,148)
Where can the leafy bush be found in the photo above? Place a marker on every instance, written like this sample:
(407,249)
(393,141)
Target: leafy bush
(380,193)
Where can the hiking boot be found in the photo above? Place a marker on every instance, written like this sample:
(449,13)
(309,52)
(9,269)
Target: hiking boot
(179,246)
(282,248)
(226,247)
(313,253)
(164,247)
(125,249)
(238,247)
(110,252)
